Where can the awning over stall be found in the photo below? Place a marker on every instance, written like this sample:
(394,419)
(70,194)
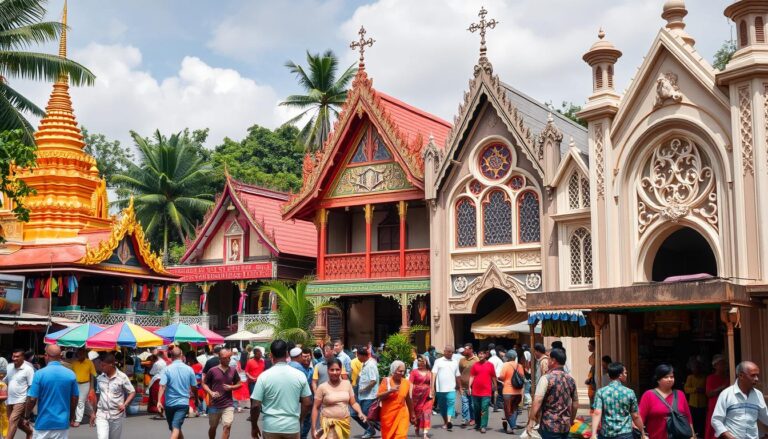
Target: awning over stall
(367,287)
(504,321)
(563,323)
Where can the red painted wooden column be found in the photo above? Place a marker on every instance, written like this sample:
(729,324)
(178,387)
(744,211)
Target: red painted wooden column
(402,208)
(368,221)
(178,289)
(322,223)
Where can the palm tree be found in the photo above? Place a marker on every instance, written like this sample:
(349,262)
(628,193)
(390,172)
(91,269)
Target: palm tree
(166,183)
(21,27)
(295,313)
(325,93)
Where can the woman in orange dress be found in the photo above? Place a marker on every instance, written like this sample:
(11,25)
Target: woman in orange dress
(396,412)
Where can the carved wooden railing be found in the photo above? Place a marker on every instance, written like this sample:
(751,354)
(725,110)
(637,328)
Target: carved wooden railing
(384,264)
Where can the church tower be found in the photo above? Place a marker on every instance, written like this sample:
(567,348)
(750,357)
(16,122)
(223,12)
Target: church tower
(69,194)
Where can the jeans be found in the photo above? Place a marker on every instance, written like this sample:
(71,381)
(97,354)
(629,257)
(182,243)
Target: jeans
(466,407)
(306,426)
(365,404)
(480,405)
(498,403)
(511,403)
(551,435)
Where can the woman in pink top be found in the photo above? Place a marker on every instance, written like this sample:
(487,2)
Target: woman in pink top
(654,412)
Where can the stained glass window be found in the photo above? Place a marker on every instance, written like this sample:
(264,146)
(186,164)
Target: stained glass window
(517,182)
(380,152)
(466,224)
(476,187)
(528,217)
(497,219)
(361,155)
(495,161)
(580,246)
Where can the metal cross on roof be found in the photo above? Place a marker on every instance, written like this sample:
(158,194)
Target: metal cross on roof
(361,44)
(482,26)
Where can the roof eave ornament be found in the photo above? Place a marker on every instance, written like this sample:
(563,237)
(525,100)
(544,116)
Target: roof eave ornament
(482,26)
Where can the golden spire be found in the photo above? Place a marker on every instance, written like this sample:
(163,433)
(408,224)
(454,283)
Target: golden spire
(63,40)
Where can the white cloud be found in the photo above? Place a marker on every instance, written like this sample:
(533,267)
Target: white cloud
(127,97)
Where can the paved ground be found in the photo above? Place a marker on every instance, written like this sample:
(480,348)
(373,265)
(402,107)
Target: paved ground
(143,427)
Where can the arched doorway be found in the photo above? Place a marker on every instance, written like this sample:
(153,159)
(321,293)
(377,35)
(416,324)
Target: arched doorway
(491,301)
(683,252)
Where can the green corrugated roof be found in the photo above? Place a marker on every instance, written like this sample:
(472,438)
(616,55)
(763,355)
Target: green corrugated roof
(368,287)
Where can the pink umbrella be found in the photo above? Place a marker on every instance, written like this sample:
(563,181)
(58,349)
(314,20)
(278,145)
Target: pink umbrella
(210,336)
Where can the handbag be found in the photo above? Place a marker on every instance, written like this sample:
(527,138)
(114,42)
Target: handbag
(517,381)
(678,426)
(374,411)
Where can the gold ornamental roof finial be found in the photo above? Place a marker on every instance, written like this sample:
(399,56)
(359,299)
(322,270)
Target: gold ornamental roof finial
(63,40)
(360,45)
(482,26)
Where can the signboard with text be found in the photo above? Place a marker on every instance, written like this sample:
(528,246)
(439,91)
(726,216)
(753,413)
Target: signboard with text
(11,294)
(202,273)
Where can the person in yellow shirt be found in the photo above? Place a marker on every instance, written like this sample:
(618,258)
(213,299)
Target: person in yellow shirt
(85,372)
(695,388)
(356,365)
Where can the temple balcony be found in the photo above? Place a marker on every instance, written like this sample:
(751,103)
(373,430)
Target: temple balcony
(384,264)
(101,317)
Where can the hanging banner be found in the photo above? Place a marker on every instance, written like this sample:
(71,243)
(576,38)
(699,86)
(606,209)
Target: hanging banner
(201,273)
(11,294)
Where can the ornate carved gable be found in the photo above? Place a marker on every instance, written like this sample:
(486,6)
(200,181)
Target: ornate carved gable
(493,278)
(363,99)
(120,236)
(486,83)
(663,83)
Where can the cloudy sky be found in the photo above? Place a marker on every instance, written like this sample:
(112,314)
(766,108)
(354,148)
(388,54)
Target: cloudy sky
(171,64)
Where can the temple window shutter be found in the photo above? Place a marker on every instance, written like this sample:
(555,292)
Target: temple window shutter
(759,30)
(743,34)
(580,246)
(610,76)
(599,78)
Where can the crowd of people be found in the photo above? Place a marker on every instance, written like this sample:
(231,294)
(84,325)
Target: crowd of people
(301,392)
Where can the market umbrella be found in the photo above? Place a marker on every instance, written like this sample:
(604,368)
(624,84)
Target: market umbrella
(180,333)
(210,336)
(124,334)
(75,336)
(241,336)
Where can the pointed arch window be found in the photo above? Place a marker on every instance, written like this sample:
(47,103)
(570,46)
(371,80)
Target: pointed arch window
(743,34)
(371,149)
(528,217)
(466,223)
(578,192)
(580,245)
(759,30)
(497,218)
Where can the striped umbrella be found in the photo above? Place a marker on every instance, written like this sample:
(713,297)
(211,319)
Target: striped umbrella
(124,334)
(75,336)
(210,336)
(181,333)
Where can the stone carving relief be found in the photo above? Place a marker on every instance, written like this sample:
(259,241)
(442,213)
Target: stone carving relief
(599,162)
(503,260)
(533,281)
(667,89)
(465,262)
(745,129)
(676,182)
(525,259)
(460,284)
(493,278)
(371,179)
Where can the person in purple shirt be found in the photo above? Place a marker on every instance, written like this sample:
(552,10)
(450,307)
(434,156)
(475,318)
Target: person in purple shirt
(219,383)
(54,391)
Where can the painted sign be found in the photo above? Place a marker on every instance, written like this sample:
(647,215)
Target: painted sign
(11,294)
(201,273)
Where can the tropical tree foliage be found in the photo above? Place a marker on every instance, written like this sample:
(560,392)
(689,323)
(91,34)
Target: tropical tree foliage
(15,153)
(569,110)
(724,54)
(397,347)
(111,158)
(295,313)
(325,93)
(265,157)
(21,26)
(166,183)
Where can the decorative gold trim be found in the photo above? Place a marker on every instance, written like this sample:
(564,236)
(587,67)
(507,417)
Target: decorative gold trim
(126,225)
(402,208)
(369,213)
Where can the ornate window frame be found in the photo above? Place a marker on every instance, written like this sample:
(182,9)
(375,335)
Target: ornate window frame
(518,214)
(581,238)
(577,191)
(485,202)
(455,218)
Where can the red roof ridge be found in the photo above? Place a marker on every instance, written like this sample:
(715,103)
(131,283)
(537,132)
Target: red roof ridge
(413,109)
(260,190)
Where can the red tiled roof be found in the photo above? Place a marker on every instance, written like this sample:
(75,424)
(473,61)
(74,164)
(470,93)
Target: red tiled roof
(413,121)
(44,255)
(294,237)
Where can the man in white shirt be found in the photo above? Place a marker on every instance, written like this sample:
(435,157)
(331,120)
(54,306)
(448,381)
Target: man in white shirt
(19,378)
(445,384)
(367,382)
(497,365)
(740,406)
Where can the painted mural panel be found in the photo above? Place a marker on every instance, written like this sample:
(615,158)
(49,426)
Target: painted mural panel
(371,179)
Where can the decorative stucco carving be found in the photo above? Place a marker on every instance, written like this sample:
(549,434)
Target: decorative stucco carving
(493,278)
(667,89)
(599,162)
(460,284)
(533,281)
(529,258)
(433,152)
(549,133)
(465,262)
(676,182)
(745,129)
(503,260)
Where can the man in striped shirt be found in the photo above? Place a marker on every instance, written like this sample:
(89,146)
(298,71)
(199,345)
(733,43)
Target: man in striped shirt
(740,406)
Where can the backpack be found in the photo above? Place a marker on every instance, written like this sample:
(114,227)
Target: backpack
(678,426)
(518,382)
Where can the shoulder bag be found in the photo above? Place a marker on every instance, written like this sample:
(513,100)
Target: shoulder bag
(374,411)
(678,426)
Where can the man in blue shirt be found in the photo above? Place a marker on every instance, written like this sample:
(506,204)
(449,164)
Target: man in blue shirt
(55,392)
(179,384)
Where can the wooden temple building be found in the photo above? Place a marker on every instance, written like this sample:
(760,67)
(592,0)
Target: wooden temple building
(243,241)
(365,191)
(78,263)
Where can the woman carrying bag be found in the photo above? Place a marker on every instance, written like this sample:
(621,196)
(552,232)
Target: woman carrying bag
(664,410)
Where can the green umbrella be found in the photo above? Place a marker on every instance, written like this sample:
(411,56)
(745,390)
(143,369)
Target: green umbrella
(181,333)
